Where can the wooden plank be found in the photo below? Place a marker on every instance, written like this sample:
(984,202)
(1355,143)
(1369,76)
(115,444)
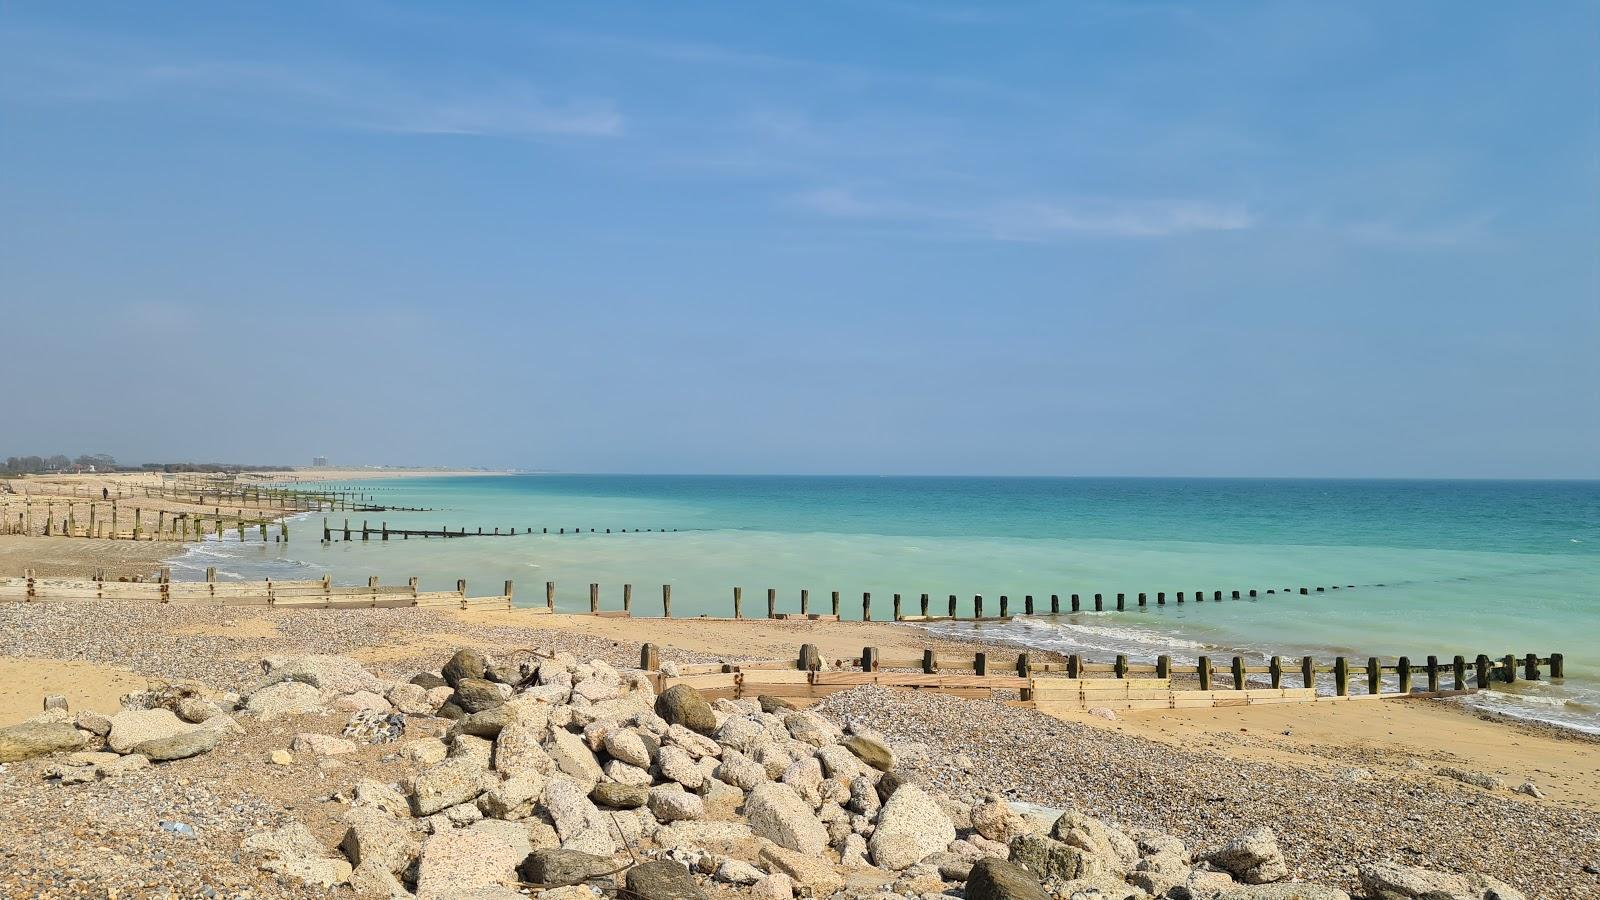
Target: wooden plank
(775,676)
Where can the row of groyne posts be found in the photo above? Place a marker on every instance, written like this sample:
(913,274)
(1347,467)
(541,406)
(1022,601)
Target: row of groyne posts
(110,520)
(384,532)
(925,603)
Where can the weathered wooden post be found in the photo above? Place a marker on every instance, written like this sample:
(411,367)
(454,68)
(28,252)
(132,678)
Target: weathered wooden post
(980,663)
(1122,601)
(1482,666)
(666,601)
(810,658)
(1509,669)
(1163,666)
(366,532)
(952,606)
(550,596)
(1005,605)
(772,603)
(1403,669)
(738,602)
(805,602)
(384,526)
(866,606)
(1075,666)
(1074,602)
(1531,669)
(1120,666)
(896,608)
(869,659)
(594,598)
(1374,675)
(1303,592)
(1218,595)
(924,606)
(211,573)
(1235,595)
(1558,666)
(1055,604)
(1308,672)
(1458,669)
(1180,596)
(1099,603)
(1161,598)
(627,599)
(977,606)
(835,600)
(347,529)
(930,662)
(1027,604)
(1024,670)
(1341,676)
(1238,673)
(1252,592)
(1433,674)
(1275,672)
(1203,666)
(508,594)
(650,658)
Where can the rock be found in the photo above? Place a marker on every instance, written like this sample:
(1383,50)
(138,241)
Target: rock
(465,746)
(557,868)
(573,757)
(179,746)
(700,833)
(1283,890)
(94,723)
(777,886)
(1390,881)
(1118,851)
(622,773)
(1051,860)
(194,710)
(449,783)
(459,861)
(993,878)
(464,664)
(595,690)
(577,820)
(735,871)
(293,851)
(328,673)
(514,798)
(426,752)
(376,882)
(626,745)
(291,698)
(321,744)
(809,871)
(29,739)
(513,834)
(125,765)
(411,699)
(517,750)
(677,765)
(620,796)
(740,771)
(671,803)
(683,705)
(1253,857)
(378,795)
(487,723)
(810,728)
(996,820)
(887,784)
(477,694)
(662,879)
(777,813)
(910,827)
(1530,789)
(362,701)
(871,751)
(1103,712)
(374,837)
(1476,779)
(131,727)
(428,681)
(1204,884)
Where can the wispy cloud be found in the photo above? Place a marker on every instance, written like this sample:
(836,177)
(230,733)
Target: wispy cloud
(1034,220)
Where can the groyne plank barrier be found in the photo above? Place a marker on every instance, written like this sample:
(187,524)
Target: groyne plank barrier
(1078,684)
(318,594)
(366,531)
(110,520)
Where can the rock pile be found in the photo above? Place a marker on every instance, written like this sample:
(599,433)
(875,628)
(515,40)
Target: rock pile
(175,722)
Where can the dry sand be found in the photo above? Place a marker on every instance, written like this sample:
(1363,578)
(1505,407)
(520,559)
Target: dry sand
(24,683)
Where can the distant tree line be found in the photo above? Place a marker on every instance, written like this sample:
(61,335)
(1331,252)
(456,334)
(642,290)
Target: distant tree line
(210,467)
(38,465)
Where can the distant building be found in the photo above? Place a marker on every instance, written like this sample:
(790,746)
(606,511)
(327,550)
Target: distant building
(319,462)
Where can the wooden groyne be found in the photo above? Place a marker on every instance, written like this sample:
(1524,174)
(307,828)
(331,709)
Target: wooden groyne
(1079,684)
(366,532)
(318,594)
(112,520)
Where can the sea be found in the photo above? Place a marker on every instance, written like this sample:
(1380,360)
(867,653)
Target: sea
(1421,567)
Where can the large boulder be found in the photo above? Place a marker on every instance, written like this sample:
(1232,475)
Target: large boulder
(1118,851)
(29,739)
(132,727)
(993,878)
(573,757)
(871,751)
(514,798)
(456,780)
(518,749)
(178,746)
(465,664)
(558,868)
(671,803)
(290,698)
(1252,857)
(477,694)
(1391,881)
(683,705)
(294,852)
(1294,890)
(662,879)
(807,870)
(456,862)
(376,838)
(330,674)
(911,827)
(578,821)
(620,796)
(1050,859)
(777,813)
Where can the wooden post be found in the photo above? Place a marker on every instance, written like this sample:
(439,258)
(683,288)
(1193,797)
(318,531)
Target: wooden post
(1558,666)
(896,608)
(594,597)
(1433,674)
(508,593)
(1142,598)
(980,663)
(1238,673)
(1180,596)
(1075,666)
(738,602)
(1341,676)
(1252,592)
(952,606)
(1163,666)
(1509,665)
(1403,669)
(211,573)
(1024,670)
(627,598)
(650,658)
(385,530)
(930,662)
(1531,669)
(1458,668)
(461,586)
(1218,595)
(977,606)
(1122,600)
(1374,675)
(835,600)
(1005,605)
(1161,598)
(1074,599)
(1027,604)
(550,595)
(1235,595)
(810,659)
(924,605)
(1120,667)
(869,659)
(1204,668)
(1482,665)
(1055,604)
(366,533)
(666,601)
(1275,671)
(1099,604)
(866,607)
(805,602)
(772,603)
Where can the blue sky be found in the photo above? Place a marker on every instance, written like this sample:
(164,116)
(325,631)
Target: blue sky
(1353,239)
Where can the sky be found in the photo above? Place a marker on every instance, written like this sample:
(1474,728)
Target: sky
(1133,238)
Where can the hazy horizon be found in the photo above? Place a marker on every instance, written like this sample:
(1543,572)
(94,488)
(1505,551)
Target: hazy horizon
(1287,240)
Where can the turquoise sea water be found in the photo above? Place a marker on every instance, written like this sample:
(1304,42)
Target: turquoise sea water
(1464,567)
